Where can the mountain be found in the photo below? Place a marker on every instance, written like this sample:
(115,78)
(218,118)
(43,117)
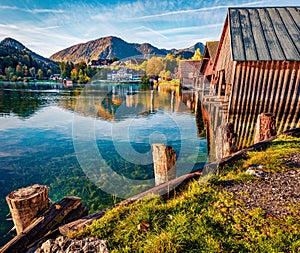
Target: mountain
(186,53)
(17,62)
(9,44)
(114,47)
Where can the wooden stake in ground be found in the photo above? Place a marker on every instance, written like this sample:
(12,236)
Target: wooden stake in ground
(26,204)
(225,141)
(265,127)
(164,159)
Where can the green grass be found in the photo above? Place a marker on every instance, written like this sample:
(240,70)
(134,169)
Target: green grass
(203,217)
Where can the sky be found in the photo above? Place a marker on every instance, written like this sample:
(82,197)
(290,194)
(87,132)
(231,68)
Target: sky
(47,27)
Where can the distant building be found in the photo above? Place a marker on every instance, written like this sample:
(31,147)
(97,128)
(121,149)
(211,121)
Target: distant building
(124,74)
(188,72)
(68,82)
(55,77)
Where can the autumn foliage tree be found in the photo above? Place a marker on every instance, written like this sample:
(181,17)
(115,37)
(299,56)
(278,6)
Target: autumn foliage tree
(197,55)
(154,66)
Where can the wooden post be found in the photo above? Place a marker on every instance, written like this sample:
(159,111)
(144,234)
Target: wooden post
(164,159)
(26,204)
(152,101)
(42,226)
(226,141)
(265,127)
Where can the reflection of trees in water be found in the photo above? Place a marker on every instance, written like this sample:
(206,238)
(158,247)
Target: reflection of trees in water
(24,100)
(123,101)
(21,103)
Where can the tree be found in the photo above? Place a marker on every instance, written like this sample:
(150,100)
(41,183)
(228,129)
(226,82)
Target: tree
(62,67)
(165,74)
(65,69)
(49,72)
(170,64)
(9,72)
(91,71)
(81,76)
(40,74)
(74,74)
(197,55)
(26,60)
(83,66)
(25,70)
(143,66)
(154,66)
(69,67)
(19,71)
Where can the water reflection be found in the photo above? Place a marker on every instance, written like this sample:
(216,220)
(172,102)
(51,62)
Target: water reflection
(243,110)
(36,140)
(136,119)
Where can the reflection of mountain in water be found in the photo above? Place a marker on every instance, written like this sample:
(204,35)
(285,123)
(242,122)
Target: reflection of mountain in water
(118,102)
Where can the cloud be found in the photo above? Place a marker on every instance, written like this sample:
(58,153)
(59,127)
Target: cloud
(164,23)
(44,40)
(6,7)
(197,10)
(33,11)
(189,29)
(8,26)
(147,31)
(47,28)
(36,11)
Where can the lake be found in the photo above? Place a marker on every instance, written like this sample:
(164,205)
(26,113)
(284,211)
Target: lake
(92,142)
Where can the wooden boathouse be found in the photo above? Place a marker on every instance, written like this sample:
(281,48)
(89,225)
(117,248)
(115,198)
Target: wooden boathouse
(256,68)
(209,57)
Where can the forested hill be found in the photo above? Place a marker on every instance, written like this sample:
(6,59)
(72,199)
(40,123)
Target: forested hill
(17,61)
(113,47)
(9,43)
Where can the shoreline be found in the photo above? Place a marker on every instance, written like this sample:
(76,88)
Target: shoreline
(164,189)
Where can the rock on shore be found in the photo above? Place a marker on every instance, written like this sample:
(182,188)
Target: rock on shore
(65,245)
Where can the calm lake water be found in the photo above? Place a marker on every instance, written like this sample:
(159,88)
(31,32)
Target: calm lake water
(94,143)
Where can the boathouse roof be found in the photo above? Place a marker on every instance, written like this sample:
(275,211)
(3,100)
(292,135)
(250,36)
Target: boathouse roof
(264,34)
(211,49)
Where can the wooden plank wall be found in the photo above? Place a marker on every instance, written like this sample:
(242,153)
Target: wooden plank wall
(264,86)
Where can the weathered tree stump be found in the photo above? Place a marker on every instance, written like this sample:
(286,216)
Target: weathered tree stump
(225,141)
(164,159)
(265,127)
(41,227)
(26,204)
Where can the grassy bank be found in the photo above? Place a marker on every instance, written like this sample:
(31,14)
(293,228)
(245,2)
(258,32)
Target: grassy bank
(204,216)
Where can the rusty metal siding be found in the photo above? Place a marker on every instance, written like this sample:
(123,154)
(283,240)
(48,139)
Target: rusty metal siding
(265,34)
